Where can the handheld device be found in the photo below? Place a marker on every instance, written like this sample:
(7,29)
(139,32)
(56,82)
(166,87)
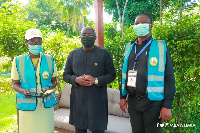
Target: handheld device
(33,94)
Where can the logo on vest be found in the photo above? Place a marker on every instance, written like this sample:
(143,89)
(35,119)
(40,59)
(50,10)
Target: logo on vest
(153,61)
(45,75)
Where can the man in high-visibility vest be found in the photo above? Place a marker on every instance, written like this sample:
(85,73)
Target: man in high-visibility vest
(147,79)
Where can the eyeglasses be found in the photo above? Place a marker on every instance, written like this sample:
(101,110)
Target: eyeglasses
(34,43)
(89,35)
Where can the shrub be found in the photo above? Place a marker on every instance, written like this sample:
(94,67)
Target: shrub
(183,37)
(59,46)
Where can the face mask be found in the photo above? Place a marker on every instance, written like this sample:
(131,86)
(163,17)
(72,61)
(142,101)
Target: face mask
(87,41)
(35,49)
(141,29)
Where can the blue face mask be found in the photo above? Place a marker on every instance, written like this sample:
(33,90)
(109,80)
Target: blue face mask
(141,29)
(35,49)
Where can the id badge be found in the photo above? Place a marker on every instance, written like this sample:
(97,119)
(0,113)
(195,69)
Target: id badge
(132,74)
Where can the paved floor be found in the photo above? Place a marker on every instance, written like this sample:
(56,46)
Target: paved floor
(57,130)
(63,132)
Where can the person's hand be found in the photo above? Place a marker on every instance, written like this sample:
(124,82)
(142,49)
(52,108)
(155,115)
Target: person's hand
(26,92)
(47,92)
(83,80)
(89,78)
(123,105)
(165,114)
(45,95)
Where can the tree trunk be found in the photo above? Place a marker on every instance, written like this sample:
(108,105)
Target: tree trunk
(180,11)
(118,12)
(68,29)
(123,21)
(121,18)
(81,25)
(160,12)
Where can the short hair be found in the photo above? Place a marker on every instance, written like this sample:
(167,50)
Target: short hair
(88,27)
(146,14)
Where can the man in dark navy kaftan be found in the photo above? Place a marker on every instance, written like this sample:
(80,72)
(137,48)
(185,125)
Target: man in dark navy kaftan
(89,69)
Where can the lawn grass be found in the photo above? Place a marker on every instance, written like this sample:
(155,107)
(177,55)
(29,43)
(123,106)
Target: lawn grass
(8,117)
(5,76)
(8,112)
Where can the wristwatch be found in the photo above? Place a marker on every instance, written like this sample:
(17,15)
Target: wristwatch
(96,81)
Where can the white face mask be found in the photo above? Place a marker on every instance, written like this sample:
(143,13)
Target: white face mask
(141,29)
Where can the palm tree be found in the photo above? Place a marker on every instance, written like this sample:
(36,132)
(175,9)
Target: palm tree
(73,12)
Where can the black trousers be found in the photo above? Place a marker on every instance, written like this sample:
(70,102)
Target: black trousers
(144,115)
(85,131)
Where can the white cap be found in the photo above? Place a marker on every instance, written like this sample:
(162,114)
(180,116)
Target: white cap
(31,33)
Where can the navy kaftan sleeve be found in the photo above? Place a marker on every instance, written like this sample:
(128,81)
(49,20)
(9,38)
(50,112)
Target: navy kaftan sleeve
(109,71)
(68,76)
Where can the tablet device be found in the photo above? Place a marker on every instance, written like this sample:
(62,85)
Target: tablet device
(33,94)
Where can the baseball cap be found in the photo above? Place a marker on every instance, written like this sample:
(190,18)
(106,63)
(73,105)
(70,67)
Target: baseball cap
(31,33)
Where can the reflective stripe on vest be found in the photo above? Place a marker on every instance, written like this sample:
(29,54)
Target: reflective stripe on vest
(127,52)
(29,100)
(162,52)
(21,67)
(155,77)
(155,87)
(49,97)
(49,64)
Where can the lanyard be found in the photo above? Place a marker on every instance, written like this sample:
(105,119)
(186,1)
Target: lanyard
(35,68)
(137,55)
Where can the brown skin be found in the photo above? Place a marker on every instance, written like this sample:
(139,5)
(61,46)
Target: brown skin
(16,85)
(141,20)
(86,80)
(165,114)
(123,105)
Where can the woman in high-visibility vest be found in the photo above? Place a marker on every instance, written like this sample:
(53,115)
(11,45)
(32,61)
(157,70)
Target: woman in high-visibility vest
(34,80)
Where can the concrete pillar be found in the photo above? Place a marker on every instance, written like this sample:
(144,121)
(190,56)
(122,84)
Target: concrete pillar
(98,5)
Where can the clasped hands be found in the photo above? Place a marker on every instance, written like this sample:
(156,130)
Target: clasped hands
(85,80)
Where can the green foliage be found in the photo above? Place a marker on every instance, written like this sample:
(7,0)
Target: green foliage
(5,63)
(59,46)
(13,27)
(3,1)
(44,12)
(114,44)
(135,7)
(183,37)
(5,85)
(8,106)
(8,123)
(89,23)
(73,12)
